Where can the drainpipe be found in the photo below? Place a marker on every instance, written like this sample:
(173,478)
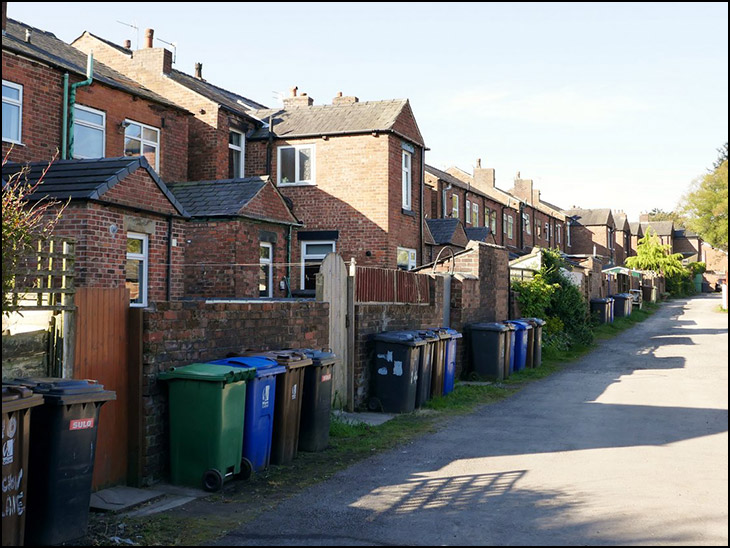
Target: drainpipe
(169,257)
(72,101)
(522,225)
(64,120)
(503,227)
(420,227)
(288,263)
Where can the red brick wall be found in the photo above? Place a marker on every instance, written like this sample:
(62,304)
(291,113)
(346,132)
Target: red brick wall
(268,204)
(101,252)
(42,115)
(222,258)
(181,333)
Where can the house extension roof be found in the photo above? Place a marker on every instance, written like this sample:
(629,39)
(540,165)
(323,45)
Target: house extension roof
(48,49)
(591,217)
(222,198)
(227,99)
(480,233)
(340,119)
(445,231)
(85,179)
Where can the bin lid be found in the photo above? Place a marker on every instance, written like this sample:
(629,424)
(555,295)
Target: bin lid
(405,338)
(67,391)
(520,325)
(209,372)
(17,397)
(318,357)
(488,326)
(429,335)
(539,321)
(265,367)
(600,300)
(509,325)
(453,333)
(289,358)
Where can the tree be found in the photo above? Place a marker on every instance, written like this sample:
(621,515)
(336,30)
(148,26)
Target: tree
(705,207)
(657,214)
(722,158)
(652,255)
(23,223)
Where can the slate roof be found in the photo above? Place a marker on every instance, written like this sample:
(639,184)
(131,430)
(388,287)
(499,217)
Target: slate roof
(443,230)
(685,233)
(342,119)
(448,178)
(480,234)
(590,217)
(85,179)
(622,221)
(48,49)
(636,229)
(222,198)
(226,99)
(662,228)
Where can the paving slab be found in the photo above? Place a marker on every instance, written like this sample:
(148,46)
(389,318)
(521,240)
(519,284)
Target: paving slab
(122,498)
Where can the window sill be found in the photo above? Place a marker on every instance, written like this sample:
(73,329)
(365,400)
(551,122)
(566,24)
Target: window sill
(408,212)
(14,143)
(284,185)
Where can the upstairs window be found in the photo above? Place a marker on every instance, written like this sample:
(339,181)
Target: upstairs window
(538,229)
(295,165)
(455,206)
(475,213)
(526,222)
(493,221)
(468,211)
(89,132)
(510,227)
(559,234)
(142,140)
(407,186)
(547,231)
(12,112)
(504,223)
(236,151)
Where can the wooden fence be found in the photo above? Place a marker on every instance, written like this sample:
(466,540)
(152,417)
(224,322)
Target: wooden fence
(382,285)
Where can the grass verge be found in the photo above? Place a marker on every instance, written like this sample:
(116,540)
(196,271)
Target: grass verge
(204,520)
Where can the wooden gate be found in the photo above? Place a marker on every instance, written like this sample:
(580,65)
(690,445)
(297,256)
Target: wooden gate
(332,288)
(101,354)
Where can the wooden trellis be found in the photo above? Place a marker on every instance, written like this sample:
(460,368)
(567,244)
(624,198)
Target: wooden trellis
(44,279)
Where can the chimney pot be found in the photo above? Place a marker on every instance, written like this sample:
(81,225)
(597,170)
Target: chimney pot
(27,35)
(339,94)
(479,163)
(149,36)
(294,91)
(199,71)
(128,44)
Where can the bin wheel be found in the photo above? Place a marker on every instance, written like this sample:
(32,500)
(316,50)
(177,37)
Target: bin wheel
(246,468)
(212,480)
(374,404)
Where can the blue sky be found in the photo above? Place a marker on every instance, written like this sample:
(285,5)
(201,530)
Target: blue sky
(615,105)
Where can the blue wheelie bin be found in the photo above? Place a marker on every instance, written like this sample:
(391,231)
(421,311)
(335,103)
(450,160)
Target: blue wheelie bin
(450,358)
(520,359)
(258,419)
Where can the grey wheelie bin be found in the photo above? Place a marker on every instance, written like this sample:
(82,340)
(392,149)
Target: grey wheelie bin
(61,456)
(601,307)
(427,355)
(623,304)
(488,343)
(314,427)
(395,372)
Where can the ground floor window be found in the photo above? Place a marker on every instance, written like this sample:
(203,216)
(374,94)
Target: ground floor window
(137,267)
(266,255)
(406,259)
(313,253)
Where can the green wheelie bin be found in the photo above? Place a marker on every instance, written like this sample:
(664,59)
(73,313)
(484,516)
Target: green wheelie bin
(207,411)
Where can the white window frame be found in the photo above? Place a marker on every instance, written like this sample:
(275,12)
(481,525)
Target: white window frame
(93,126)
(547,231)
(145,258)
(493,221)
(296,148)
(510,227)
(559,230)
(455,206)
(528,226)
(406,166)
(567,234)
(269,265)
(504,223)
(143,141)
(412,257)
(467,212)
(242,150)
(475,214)
(19,104)
(314,256)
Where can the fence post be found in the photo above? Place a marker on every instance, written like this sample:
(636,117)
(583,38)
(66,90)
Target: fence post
(350,325)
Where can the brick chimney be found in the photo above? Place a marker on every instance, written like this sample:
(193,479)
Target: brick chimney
(346,100)
(523,189)
(644,218)
(296,101)
(151,59)
(127,44)
(199,71)
(5,16)
(483,177)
